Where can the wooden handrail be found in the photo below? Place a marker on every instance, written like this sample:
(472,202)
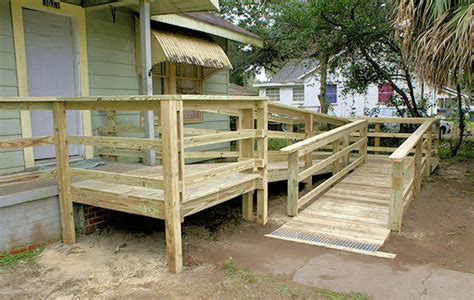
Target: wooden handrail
(339,140)
(324,138)
(411,142)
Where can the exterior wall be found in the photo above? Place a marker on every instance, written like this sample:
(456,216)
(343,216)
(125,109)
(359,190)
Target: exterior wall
(111,59)
(10,161)
(29,223)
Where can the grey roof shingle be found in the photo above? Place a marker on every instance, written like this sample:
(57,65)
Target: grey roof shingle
(292,70)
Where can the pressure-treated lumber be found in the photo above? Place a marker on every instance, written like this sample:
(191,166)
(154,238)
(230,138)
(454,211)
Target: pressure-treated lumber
(63,173)
(116,142)
(115,177)
(262,155)
(396,196)
(246,151)
(20,143)
(170,161)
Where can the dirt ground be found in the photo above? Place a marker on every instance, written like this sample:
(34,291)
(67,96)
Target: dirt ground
(229,258)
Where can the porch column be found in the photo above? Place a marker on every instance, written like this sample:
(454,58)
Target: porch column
(147,81)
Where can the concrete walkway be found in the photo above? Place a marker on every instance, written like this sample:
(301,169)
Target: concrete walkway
(346,272)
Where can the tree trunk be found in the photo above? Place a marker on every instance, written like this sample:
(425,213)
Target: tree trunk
(457,143)
(323,74)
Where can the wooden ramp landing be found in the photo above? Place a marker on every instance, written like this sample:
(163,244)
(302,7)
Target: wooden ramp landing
(351,216)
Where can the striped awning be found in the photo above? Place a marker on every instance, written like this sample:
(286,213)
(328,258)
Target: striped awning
(185,49)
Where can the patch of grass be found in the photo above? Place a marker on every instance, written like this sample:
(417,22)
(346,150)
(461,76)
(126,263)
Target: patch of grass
(266,286)
(9,260)
(466,152)
(276,144)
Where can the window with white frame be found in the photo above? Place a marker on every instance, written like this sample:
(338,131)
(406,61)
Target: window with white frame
(298,94)
(273,94)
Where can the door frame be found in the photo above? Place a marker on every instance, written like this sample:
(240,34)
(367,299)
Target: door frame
(78,17)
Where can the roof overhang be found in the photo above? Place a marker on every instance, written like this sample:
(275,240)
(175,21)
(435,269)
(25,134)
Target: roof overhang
(275,84)
(184,49)
(184,22)
(157,7)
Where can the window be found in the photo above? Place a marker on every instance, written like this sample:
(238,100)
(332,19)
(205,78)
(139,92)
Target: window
(188,81)
(385,92)
(298,94)
(331,93)
(273,94)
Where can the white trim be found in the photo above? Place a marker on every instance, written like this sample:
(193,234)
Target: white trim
(182,21)
(276,85)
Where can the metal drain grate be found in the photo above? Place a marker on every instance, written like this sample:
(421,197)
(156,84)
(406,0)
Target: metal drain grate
(324,240)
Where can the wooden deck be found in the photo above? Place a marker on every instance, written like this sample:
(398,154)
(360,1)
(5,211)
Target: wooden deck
(352,215)
(362,200)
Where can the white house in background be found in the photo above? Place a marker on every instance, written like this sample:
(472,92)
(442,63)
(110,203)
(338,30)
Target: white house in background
(297,83)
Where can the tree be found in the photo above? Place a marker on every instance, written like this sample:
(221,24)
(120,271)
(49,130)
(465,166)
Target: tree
(355,37)
(436,37)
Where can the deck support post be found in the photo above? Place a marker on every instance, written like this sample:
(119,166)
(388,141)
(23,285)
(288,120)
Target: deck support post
(293,170)
(417,176)
(396,196)
(246,151)
(308,158)
(262,154)
(171,183)
(62,173)
(146,76)
(429,139)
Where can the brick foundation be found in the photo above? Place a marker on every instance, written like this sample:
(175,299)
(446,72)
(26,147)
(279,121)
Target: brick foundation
(90,218)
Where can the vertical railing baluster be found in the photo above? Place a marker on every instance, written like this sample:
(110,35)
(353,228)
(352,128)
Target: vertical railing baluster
(262,155)
(293,170)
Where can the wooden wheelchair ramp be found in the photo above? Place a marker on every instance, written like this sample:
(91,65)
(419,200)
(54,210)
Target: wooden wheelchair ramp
(350,216)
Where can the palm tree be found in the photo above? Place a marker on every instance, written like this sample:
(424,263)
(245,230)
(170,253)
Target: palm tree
(436,38)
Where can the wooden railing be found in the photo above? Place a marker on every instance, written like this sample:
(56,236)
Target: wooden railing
(171,148)
(298,123)
(381,131)
(342,145)
(408,170)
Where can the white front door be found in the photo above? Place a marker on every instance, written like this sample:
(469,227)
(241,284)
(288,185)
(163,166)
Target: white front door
(52,71)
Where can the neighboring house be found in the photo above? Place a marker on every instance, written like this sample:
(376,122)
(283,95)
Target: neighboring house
(297,83)
(92,47)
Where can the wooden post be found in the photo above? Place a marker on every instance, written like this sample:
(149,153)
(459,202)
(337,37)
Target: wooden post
(377,139)
(112,123)
(291,128)
(396,196)
(262,154)
(171,170)
(345,143)
(363,148)
(417,169)
(146,75)
(429,138)
(308,158)
(246,151)
(437,138)
(62,173)
(293,170)
(336,146)
(172,78)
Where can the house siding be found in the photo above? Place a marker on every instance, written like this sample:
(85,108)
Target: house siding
(10,161)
